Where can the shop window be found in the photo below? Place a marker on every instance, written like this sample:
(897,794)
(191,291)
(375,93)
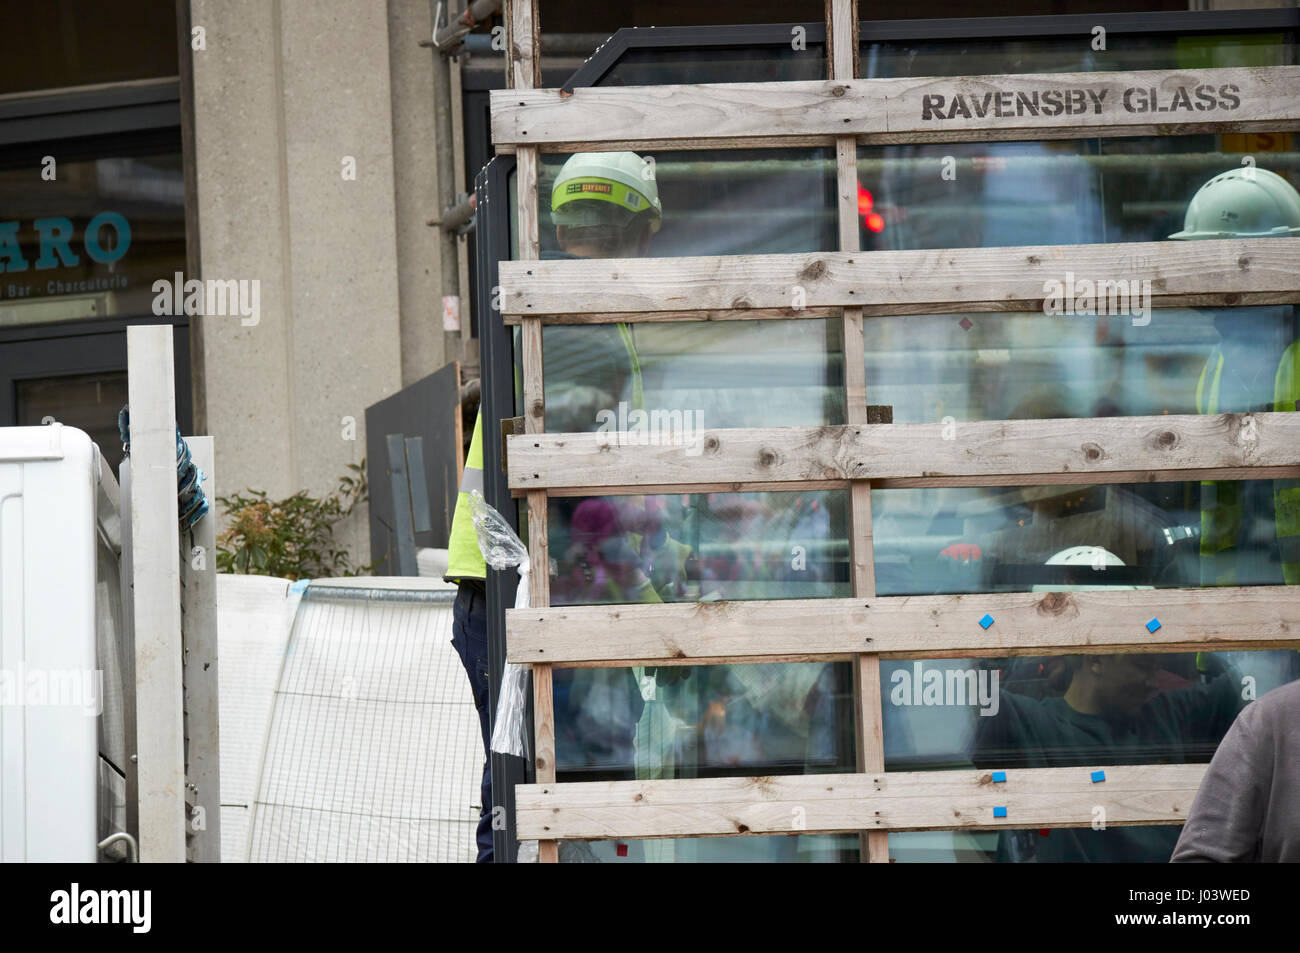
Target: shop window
(90,241)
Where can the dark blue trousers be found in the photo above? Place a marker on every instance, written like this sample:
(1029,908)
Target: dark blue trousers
(469,638)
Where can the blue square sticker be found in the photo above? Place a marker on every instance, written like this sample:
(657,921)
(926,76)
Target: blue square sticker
(986,621)
(1098,776)
(999,812)
(1153,625)
(999,776)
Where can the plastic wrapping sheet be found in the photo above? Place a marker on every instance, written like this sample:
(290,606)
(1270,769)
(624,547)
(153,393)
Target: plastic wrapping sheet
(503,549)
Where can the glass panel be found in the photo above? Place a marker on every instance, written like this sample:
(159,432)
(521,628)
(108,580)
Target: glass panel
(980,56)
(1039,539)
(760,64)
(90,243)
(1013,366)
(670,381)
(714,202)
(800,848)
(693,721)
(579,16)
(1083,191)
(1065,711)
(89,402)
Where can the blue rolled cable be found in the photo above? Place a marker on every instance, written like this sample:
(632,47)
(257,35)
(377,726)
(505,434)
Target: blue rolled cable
(192,503)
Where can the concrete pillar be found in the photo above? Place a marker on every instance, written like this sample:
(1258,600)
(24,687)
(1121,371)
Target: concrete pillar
(291,96)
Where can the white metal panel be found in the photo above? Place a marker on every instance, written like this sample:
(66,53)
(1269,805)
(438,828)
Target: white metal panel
(50,688)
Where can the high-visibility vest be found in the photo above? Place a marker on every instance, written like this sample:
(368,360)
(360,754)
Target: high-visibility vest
(1222,503)
(464,558)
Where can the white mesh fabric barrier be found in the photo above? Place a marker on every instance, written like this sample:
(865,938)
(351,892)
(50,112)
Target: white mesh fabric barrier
(373,751)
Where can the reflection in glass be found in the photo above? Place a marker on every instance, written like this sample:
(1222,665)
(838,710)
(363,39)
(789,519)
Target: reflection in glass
(1063,192)
(689,721)
(90,243)
(723,202)
(693,375)
(1068,711)
(1032,366)
(984,56)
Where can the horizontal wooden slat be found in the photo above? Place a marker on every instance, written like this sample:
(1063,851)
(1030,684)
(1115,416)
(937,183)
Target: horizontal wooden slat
(825,803)
(1217,299)
(1024,623)
(942,109)
(1232,271)
(661,317)
(1004,452)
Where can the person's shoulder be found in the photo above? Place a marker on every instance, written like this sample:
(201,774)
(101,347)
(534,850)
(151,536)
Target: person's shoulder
(1281,705)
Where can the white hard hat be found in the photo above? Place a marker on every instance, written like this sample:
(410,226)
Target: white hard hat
(1093,556)
(592,186)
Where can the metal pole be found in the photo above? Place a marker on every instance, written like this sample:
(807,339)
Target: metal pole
(445,37)
(444,142)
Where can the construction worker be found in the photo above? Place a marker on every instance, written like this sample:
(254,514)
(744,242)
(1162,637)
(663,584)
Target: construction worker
(603,205)
(1243,375)
(1112,709)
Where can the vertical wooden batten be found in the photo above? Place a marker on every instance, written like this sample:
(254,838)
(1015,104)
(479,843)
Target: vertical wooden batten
(523,40)
(841,55)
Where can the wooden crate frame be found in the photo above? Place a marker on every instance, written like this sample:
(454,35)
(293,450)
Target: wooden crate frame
(858,456)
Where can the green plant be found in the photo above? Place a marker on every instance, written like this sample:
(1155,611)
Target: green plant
(291,538)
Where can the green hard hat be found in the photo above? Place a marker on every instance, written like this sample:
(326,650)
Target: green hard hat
(605,188)
(1243,203)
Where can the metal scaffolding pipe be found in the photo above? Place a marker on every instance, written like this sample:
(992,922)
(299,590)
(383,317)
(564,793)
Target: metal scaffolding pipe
(445,160)
(445,37)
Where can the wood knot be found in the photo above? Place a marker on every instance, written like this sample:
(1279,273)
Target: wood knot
(767,458)
(711,444)
(1054,603)
(1244,263)
(1166,440)
(839,90)
(1092,452)
(815,270)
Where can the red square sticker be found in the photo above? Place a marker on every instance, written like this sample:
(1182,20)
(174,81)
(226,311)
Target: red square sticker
(621,850)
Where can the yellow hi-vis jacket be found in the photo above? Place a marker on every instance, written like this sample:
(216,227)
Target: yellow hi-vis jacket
(1222,505)
(464,558)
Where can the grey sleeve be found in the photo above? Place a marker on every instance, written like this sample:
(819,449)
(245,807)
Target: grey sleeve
(1227,815)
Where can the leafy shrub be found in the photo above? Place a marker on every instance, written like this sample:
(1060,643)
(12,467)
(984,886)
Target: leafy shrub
(291,538)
